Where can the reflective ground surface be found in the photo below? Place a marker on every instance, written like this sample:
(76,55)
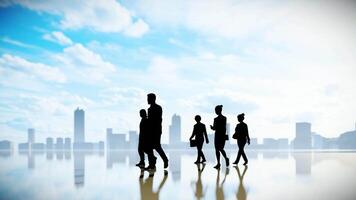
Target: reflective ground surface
(113,175)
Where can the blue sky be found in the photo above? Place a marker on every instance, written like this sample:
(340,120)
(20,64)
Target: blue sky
(278,61)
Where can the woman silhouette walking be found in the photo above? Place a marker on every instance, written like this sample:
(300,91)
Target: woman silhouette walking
(220,136)
(242,136)
(199,132)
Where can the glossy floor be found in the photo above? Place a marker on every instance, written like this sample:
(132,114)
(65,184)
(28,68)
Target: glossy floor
(269,175)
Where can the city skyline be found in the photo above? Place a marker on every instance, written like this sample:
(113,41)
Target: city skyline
(304,138)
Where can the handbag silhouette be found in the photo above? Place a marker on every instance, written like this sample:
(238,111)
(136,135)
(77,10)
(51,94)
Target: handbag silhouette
(193,143)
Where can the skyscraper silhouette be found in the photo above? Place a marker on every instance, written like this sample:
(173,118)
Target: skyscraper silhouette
(31,136)
(175,130)
(79,131)
(302,135)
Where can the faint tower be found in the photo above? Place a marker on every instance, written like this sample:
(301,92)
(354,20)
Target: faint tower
(175,130)
(302,135)
(79,125)
(31,135)
(49,143)
(67,143)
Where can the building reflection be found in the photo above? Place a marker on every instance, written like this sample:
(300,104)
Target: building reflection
(79,168)
(303,162)
(175,164)
(115,157)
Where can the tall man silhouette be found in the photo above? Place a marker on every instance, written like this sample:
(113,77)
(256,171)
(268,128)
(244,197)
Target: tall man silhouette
(155,126)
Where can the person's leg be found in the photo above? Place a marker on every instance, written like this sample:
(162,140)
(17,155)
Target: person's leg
(151,158)
(217,154)
(199,146)
(141,154)
(243,153)
(225,156)
(239,153)
(202,154)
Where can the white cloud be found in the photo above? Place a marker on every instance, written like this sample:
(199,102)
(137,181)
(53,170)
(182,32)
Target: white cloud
(84,65)
(17,43)
(58,37)
(14,63)
(102,16)
(306,25)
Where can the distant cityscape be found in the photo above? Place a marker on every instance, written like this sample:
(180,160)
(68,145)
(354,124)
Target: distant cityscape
(305,138)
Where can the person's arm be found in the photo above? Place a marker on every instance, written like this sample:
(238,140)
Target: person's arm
(193,134)
(248,136)
(206,135)
(213,126)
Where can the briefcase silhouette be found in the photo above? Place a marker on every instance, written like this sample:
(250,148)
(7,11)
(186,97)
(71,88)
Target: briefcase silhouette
(193,143)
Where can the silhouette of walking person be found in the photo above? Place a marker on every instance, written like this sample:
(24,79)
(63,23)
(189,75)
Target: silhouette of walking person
(219,189)
(144,146)
(242,136)
(199,190)
(219,127)
(241,191)
(199,132)
(155,124)
(146,186)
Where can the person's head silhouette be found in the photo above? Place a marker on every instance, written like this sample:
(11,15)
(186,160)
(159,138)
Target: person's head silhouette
(218,109)
(151,98)
(143,113)
(197,118)
(241,117)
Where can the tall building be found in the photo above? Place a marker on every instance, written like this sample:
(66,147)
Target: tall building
(115,141)
(67,143)
(79,126)
(175,130)
(302,136)
(49,143)
(31,135)
(133,139)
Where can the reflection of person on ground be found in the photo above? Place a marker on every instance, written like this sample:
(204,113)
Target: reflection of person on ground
(155,126)
(219,190)
(199,132)
(220,135)
(241,191)
(199,190)
(144,146)
(146,186)
(242,136)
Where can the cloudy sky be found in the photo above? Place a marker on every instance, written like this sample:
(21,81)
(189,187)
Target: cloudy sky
(277,61)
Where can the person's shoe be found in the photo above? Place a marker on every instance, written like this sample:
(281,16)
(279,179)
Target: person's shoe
(203,161)
(196,162)
(165,164)
(245,163)
(227,162)
(217,166)
(140,164)
(150,167)
(235,163)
